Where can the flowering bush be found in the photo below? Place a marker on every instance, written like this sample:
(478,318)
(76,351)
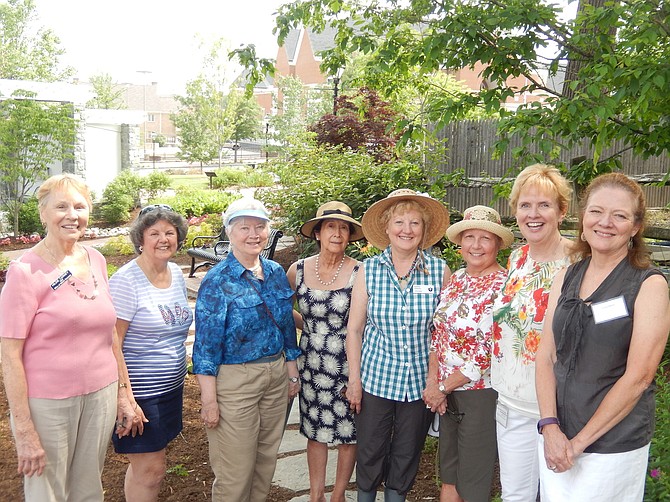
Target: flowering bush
(658,477)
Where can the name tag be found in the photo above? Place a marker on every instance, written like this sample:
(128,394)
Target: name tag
(59,282)
(609,310)
(423,289)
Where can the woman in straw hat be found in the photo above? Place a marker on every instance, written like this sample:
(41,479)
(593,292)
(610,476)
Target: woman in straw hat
(323,285)
(459,378)
(388,338)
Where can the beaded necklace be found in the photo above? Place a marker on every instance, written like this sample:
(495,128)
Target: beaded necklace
(403,279)
(70,281)
(337,272)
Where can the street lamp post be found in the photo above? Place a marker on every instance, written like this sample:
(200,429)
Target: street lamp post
(336,82)
(267,133)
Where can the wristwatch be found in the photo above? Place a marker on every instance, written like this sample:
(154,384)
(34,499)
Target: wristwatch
(442,389)
(293,379)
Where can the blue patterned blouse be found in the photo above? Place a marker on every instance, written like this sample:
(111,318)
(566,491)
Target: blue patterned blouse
(232,325)
(396,340)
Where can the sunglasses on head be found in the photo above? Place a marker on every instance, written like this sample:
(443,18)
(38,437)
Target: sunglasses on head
(153,207)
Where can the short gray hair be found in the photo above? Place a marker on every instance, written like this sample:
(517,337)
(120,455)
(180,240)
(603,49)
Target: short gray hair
(151,218)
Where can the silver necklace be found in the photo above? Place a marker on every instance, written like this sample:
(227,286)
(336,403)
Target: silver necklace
(337,273)
(257,271)
(70,281)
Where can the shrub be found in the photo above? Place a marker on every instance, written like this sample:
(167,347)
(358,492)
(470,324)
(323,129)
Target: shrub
(155,183)
(4,262)
(657,485)
(117,245)
(191,202)
(29,217)
(121,196)
(315,175)
(242,176)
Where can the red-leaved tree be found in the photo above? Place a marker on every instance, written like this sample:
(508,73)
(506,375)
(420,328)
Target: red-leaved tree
(362,121)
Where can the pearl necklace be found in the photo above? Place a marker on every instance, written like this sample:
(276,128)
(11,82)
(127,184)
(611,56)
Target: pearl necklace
(337,273)
(70,281)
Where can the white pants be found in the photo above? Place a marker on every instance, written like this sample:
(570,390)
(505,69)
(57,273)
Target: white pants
(596,477)
(517,450)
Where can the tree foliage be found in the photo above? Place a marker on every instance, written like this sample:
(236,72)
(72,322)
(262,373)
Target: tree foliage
(33,134)
(28,52)
(363,122)
(617,92)
(107,96)
(211,114)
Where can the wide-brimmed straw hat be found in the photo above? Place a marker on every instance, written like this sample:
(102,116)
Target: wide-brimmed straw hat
(375,230)
(480,218)
(333,210)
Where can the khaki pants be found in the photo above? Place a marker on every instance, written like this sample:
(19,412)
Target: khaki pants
(243,447)
(74,433)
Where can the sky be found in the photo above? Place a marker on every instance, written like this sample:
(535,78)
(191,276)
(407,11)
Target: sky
(143,41)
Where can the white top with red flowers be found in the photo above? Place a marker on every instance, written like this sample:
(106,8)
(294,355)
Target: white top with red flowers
(463,327)
(518,316)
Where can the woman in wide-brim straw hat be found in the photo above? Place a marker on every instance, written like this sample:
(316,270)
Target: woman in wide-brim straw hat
(323,285)
(388,338)
(459,371)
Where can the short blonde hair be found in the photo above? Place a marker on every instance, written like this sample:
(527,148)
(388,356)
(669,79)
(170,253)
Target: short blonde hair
(63,182)
(546,178)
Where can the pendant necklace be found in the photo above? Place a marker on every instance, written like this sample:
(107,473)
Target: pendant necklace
(70,281)
(257,271)
(337,272)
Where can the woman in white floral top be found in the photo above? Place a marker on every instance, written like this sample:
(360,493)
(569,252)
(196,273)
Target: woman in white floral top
(458,385)
(539,199)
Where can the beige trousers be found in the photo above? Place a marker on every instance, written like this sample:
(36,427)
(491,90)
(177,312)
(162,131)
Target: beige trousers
(74,433)
(243,446)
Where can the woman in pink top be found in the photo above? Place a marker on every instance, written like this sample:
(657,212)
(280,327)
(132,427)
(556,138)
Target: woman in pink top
(64,374)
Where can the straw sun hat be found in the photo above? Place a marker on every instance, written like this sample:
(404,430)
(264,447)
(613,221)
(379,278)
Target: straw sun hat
(333,210)
(480,218)
(375,230)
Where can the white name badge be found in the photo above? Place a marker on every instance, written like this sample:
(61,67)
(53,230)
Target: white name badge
(609,310)
(423,289)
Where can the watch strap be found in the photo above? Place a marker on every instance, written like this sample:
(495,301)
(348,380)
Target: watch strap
(546,421)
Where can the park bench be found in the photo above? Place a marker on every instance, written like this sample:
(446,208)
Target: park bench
(213,254)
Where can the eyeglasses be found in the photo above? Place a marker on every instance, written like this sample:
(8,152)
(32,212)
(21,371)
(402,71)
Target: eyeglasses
(153,207)
(455,416)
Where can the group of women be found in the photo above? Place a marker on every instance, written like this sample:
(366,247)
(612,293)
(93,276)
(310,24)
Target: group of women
(565,341)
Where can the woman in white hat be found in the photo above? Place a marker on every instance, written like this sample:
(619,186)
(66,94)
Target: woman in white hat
(388,339)
(244,357)
(459,376)
(323,285)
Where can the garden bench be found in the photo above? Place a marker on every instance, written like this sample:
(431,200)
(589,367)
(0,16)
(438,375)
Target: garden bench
(211,255)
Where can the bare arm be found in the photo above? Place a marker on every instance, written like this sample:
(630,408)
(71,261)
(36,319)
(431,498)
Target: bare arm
(31,455)
(358,313)
(126,418)
(558,451)
(137,425)
(651,323)
(210,407)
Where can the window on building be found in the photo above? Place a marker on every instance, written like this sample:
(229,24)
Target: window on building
(151,117)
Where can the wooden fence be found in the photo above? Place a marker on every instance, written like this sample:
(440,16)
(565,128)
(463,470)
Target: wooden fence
(470,147)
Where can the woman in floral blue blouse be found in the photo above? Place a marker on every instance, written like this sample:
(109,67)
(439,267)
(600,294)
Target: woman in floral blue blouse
(245,355)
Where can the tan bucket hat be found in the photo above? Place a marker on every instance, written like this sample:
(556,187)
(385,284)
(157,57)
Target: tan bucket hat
(333,210)
(375,232)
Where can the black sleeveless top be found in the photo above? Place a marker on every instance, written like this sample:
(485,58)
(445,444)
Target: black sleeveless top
(592,357)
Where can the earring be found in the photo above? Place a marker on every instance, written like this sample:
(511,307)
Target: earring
(630,243)
(583,237)
(140,248)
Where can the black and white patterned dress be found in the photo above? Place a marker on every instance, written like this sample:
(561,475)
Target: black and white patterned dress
(324,414)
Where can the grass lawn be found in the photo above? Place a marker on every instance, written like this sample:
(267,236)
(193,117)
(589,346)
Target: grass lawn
(200,181)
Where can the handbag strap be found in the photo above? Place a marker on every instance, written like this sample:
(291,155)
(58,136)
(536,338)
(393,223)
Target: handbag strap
(267,309)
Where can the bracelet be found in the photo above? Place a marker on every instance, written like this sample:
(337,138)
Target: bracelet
(546,421)
(293,379)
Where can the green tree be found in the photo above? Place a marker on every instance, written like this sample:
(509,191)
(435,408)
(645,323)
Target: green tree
(617,91)
(33,134)
(28,52)
(211,114)
(290,123)
(107,96)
